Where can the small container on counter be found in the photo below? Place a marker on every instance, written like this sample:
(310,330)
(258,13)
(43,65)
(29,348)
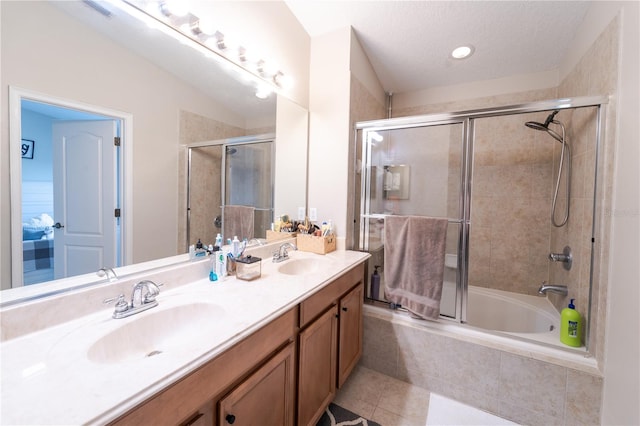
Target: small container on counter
(248,268)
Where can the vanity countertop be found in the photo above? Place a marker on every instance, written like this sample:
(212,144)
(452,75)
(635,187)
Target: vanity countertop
(50,377)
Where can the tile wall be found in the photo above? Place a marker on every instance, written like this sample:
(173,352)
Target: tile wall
(517,387)
(596,74)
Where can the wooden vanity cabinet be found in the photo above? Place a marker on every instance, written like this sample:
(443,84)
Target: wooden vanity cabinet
(264,398)
(254,381)
(330,342)
(196,394)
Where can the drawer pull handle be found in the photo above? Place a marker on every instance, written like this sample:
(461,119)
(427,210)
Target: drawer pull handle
(230,419)
(344,308)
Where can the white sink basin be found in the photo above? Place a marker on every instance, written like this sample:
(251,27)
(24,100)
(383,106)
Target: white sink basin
(155,332)
(302,266)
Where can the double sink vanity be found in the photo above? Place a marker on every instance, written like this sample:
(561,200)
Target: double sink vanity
(268,351)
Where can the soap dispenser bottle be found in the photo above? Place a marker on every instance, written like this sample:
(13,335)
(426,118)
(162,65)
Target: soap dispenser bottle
(571,326)
(235,244)
(375,283)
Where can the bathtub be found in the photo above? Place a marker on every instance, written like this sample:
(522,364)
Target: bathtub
(509,346)
(524,317)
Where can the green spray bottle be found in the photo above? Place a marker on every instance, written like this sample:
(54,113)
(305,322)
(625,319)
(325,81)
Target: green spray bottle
(571,326)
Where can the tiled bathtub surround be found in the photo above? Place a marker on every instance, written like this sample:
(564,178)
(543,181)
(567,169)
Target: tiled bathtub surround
(526,207)
(523,386)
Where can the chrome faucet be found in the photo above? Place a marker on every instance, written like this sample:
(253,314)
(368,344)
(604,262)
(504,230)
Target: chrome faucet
(152,291)
(560,289)
(257,240)
(282,254)
(143,297)
(109,273)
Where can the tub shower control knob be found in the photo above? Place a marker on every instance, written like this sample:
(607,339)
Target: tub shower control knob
(565,257)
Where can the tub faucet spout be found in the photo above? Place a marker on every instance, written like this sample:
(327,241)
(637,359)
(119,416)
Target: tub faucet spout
(560,289)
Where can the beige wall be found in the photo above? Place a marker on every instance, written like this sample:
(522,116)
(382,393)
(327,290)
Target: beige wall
(329,130)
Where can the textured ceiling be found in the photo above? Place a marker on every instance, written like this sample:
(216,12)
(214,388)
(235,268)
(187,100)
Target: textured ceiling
(409,42)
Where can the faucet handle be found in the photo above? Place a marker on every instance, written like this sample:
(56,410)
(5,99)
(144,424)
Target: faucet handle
(121,304)
(152,291)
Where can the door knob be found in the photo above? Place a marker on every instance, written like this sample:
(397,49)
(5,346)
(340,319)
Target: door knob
(58,225)
(230,418)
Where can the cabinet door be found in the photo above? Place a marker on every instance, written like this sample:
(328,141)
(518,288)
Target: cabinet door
(317,367)
(350,345)
(266,397)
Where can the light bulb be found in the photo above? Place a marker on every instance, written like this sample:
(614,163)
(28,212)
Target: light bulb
(207,26)
(263,91)
(176,7)
(462,52)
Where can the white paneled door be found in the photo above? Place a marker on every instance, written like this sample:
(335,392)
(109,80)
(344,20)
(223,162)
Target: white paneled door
(85,196)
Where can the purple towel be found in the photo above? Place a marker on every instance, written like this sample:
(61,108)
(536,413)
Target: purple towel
(414,249)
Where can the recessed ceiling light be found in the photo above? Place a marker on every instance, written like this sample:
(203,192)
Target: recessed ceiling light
(462,52)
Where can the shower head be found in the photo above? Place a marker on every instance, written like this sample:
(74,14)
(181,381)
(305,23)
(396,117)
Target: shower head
(539,126)
(231,151)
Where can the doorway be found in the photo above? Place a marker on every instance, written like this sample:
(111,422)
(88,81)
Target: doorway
(68,188)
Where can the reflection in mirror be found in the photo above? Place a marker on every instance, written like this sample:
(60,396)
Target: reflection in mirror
(230,194)
(158,82)
(395,182)
(68,181)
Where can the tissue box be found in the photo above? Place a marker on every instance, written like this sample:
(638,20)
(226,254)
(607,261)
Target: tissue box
(248,268)
(313,244)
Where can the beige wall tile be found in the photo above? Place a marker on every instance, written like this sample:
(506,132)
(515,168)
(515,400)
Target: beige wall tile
(584,398)
(530,383)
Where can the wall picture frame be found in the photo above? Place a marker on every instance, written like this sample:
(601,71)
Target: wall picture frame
(27,146)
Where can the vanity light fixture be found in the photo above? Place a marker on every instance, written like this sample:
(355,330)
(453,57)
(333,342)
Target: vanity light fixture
(201,34)
(463,52)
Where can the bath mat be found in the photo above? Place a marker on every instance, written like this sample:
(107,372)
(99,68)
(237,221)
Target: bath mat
(444,411)
(335,415)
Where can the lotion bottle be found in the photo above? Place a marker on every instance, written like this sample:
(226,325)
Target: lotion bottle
(571,326)
(375,283)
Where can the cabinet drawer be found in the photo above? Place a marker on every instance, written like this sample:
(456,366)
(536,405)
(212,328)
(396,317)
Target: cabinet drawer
(316,304)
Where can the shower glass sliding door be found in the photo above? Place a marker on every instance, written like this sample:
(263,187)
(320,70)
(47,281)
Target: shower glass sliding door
(415,170)
(248,181)
(519,185)
(237,171)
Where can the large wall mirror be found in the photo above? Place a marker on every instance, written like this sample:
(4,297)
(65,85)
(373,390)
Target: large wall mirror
(168,97)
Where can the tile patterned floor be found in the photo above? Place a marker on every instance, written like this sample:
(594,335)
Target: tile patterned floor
(392,402)
(383,399)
